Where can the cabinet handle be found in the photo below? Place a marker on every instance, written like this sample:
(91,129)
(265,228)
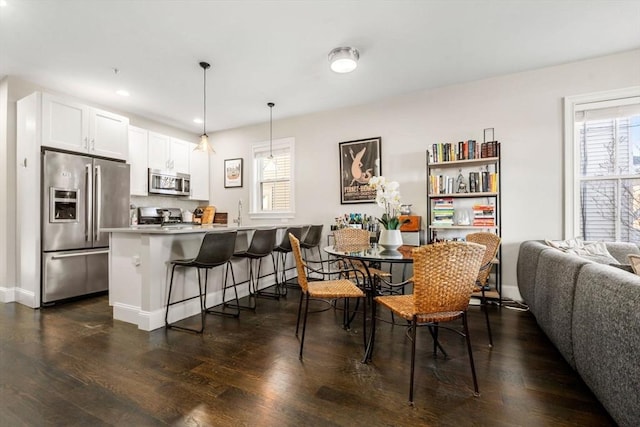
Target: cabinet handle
(86,142)
(93,144)
(24,163)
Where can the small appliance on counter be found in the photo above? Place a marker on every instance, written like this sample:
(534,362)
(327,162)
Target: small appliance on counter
(152,215)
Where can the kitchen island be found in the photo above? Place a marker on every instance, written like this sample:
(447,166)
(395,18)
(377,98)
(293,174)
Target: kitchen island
(140,270)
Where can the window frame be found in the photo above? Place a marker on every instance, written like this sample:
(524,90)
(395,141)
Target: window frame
(255,203)
(571,194)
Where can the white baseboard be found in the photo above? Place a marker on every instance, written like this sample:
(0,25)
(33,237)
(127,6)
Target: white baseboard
(7,294)
(19,295)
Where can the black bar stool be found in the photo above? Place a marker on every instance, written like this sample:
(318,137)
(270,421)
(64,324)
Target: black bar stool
(262,244)
(283,249)
(216,250)
(312,240)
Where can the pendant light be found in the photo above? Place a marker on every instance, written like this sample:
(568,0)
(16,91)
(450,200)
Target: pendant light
(270,164)
(204,145)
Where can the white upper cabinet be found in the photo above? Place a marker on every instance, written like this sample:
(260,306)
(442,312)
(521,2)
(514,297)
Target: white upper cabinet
(138,159)
(180,151)
(168,154)
(70,125)
(199,167)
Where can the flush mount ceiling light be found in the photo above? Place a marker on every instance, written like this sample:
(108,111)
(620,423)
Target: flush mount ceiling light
(344,59)
(204,145)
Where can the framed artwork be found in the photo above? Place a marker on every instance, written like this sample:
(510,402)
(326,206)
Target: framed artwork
(232,173)
(359,161)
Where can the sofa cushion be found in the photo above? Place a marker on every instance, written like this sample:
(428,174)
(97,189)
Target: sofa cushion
(526,269)
(556,277)
(606,338)
(596,252)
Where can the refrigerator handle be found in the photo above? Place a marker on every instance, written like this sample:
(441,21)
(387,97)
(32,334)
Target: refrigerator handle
(88,203)
(98,199)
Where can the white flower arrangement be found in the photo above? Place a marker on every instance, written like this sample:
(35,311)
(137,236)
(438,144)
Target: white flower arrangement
(387,197)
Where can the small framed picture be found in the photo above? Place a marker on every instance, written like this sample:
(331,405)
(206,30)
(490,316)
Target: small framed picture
(359,162)
(232,173)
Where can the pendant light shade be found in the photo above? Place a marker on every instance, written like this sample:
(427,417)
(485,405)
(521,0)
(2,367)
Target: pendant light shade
(204,145)
(270,164)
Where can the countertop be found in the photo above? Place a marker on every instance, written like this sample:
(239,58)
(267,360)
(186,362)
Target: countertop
(186,228)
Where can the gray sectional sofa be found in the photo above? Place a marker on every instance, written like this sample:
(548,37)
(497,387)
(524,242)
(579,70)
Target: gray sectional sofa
(591,312)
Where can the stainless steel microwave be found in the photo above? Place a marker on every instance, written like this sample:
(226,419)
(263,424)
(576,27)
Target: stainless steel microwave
(169,183)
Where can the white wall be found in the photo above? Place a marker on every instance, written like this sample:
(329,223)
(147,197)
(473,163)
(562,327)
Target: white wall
(525,109)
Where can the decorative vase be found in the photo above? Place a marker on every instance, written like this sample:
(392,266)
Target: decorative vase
(390,240)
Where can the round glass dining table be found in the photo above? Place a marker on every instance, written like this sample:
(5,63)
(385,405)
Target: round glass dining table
(373,253)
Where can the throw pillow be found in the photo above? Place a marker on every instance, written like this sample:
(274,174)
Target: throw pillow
(596,252)
(563,245)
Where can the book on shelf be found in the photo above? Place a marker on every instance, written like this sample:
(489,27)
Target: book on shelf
(442,212)
(484,215)
(463,150)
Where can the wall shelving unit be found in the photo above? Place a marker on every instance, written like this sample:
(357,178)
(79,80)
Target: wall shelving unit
(452,211)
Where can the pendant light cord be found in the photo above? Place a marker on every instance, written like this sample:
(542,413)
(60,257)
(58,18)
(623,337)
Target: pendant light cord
(271,105)
(204,97)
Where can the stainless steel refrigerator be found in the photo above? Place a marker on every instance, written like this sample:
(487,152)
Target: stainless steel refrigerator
(80,195)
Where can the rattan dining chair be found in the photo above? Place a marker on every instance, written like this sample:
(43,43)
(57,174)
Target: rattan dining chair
(324,289)
(492,242)
(354,239)
(444,277)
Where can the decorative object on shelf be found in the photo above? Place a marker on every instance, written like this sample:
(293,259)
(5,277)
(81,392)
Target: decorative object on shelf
(462,217)
(359,162)
(462,185)
(270,163)
(232,173)
(344,59)
(204,145)
(405,209)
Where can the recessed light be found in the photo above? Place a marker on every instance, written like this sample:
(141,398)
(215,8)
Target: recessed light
(198,120)
(344,59)
(122,92)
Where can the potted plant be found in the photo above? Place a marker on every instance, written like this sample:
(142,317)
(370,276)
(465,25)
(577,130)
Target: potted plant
(388,197)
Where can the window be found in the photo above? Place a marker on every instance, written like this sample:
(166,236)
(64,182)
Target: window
(272,184)
(603,166)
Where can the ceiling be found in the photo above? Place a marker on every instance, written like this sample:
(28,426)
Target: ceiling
(263,51)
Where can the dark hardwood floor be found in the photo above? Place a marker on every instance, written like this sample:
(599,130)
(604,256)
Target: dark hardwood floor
(72,365)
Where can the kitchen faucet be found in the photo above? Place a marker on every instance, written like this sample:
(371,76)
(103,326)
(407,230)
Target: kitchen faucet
(239,219)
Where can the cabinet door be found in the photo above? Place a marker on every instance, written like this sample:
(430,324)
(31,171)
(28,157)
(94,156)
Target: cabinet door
(199,170)
(180,151)
(64,124)
(108,135)
(159,151)
(138,159)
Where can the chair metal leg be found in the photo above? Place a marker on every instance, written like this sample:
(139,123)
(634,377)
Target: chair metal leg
(169,303)
(221,312)
(473,367)
(483,303)
(299,311)
(251,286)
(304,325)
(414,326)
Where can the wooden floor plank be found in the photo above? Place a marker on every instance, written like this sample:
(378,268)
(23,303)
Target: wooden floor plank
(73,365)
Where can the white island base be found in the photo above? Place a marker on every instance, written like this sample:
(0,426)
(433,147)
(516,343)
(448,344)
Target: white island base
(140,270)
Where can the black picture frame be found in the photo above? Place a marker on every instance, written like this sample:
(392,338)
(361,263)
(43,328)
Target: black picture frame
(233,171)
(359,161)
